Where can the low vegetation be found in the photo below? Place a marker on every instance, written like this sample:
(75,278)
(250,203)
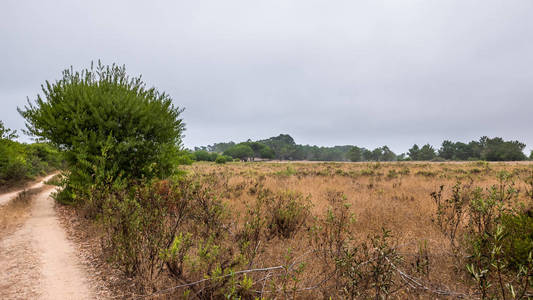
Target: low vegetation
(20,162)
(275,230)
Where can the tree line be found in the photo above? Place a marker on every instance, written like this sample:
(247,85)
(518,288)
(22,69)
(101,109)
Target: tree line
(283,147)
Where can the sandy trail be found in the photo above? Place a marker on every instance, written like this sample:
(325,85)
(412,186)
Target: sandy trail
(5,198)
(37,261)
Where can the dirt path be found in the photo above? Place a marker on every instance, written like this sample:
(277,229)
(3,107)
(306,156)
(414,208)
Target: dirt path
(37,260)
(4,198)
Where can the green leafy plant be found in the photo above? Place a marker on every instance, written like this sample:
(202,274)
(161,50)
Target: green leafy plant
(104,119)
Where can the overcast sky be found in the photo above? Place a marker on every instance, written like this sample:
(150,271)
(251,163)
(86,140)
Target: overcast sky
(368,73)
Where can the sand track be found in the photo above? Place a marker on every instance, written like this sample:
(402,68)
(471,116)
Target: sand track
(38,261)
(5,198)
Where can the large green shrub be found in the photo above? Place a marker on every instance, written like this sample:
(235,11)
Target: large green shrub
(109,125)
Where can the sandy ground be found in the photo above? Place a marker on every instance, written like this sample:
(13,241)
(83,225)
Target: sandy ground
(4,198)
(38,261)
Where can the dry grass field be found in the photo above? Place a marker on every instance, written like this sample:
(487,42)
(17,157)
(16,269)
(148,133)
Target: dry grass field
(301,230)
(394,196)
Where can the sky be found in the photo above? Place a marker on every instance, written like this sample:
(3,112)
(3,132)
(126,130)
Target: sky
(366,73)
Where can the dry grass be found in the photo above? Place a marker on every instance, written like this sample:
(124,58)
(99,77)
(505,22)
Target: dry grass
(395,196)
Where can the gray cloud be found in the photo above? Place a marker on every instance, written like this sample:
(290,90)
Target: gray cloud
(326,72)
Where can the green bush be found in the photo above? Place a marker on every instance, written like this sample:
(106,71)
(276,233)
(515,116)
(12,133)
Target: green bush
(202,155)
(489,235)
(519,240)
(24,161)
(221,159)
(185,158)
(110,126)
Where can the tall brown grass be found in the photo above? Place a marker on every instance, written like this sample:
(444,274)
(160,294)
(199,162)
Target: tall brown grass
(307,230)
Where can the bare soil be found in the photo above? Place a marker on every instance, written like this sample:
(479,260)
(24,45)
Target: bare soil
(37,259)
(6,197)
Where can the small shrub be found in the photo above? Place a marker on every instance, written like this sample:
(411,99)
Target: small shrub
(286,211)
(495,237)
(426,173)
(221,159)
(368,270)
(519,240)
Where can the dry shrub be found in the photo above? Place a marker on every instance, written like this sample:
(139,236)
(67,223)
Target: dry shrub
(301,231)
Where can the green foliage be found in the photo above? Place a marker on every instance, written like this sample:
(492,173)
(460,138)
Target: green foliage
(495,235)
(518,243)
(108,122)
(184,157)
(222,159)
(240,151)
(378,154)
(6,133)
(265,152)
(495,149)
(202,155)
(24,161)
(427,152)
(283,147)
(216,147)
(355,154)
(150,228)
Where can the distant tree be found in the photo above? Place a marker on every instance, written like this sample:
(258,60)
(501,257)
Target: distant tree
(266,153)
(220,147)
(464,151)
(377,154)
(202,155)
(401,157)
(427,152)
(387,154)
(366,155)
(531,155)
(259,150)
(355,154)
(496,149)
(300,153)
(475,148)
(414,152)
(240,151)
(201,148)
(283,146)
(447,150)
